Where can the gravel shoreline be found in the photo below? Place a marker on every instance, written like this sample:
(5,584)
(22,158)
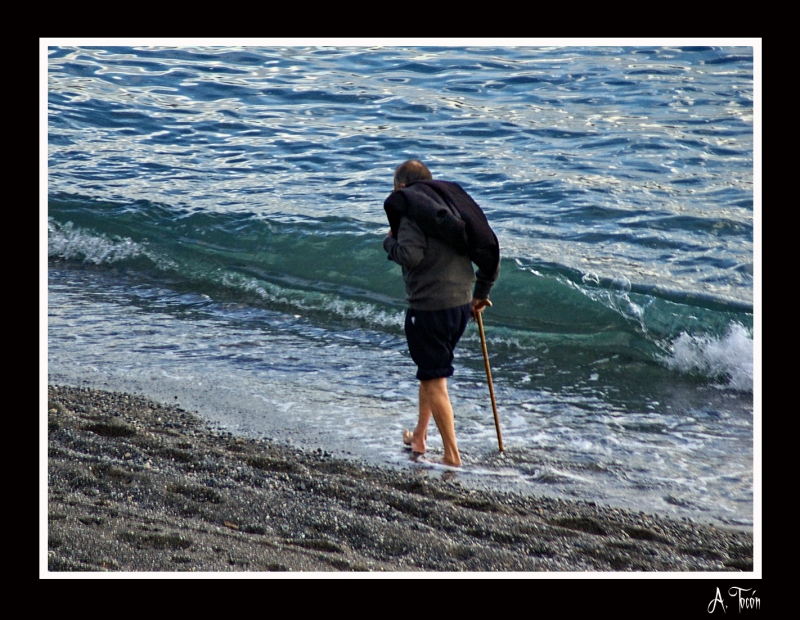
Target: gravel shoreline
(138,486)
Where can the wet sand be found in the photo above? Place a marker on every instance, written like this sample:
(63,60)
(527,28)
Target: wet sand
(138,486)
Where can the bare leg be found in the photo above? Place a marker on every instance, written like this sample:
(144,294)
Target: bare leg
(434,400)
(417,440)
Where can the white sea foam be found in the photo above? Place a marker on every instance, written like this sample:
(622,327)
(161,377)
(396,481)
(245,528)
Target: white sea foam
(71,242)
(316,301)
(729,358)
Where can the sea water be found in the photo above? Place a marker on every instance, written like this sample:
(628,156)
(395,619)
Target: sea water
(214,233)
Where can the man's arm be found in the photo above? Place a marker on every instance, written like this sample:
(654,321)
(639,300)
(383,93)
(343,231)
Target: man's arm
(485,281)
(408,249)
(480,295)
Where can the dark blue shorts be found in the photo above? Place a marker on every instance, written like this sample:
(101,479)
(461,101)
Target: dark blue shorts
(432,337)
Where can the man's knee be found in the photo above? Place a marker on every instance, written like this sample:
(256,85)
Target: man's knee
(433,386)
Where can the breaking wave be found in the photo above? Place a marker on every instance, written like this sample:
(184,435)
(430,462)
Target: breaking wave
(728,359)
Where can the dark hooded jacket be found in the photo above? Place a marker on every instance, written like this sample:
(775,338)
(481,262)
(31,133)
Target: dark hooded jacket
(444,211)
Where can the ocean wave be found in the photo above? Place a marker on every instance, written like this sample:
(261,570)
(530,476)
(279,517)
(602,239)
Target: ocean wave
(67,241)
(728,359)
(315,301)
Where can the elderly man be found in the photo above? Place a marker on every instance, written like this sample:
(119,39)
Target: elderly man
(437,232)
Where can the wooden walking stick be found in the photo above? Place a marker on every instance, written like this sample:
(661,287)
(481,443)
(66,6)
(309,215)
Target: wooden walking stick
(489,377)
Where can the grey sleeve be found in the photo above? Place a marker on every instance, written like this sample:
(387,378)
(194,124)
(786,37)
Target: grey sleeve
(484,283)
(408,249)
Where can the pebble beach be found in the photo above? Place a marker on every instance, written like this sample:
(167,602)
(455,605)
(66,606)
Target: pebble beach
(136,486)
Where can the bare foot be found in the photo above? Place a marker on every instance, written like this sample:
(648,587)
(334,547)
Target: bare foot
(421,458)
(445,462)
(408,439)
(417,447)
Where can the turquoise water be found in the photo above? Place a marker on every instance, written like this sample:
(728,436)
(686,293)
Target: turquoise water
(214,228)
